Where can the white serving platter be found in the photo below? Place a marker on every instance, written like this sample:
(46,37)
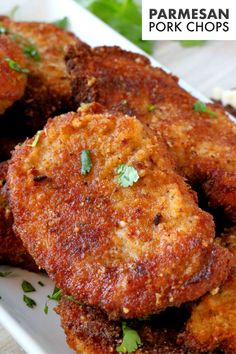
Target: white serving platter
(35,331)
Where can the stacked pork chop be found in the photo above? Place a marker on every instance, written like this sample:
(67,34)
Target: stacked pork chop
(100,196)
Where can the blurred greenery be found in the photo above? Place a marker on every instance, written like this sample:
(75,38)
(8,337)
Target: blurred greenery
(122,15)
(126,18)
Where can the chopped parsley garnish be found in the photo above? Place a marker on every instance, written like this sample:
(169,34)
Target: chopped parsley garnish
(46,308)
(62,23)
(36,139)
(151,107)
(201,107)
(86,163)
(32,52)
(29,302)
(15,66)
(3,30)
(56,295)
(127,175)
(71,298)
(131,340)
(40,283)
(2,182)
(27,287)
(4,274)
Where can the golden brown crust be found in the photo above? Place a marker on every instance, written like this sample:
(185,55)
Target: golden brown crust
(204,147)
(212,324)
(12,83)
(48,90)
(89,331)
(98,240)
(12,251)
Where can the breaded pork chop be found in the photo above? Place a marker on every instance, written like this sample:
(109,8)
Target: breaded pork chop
(202,143)
(12,251)
(119,230)
(212,324)
(12,79)
(48,90)
(89,331)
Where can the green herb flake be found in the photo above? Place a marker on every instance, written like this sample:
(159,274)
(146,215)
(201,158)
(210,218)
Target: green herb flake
(127,175)
(32,52)
(29,302)
(62,23)
(36,139)
(131,340)
(4,274)
(56,295)
(45,310)
(122,15)
(13,12)
(40,283)
(27,287)
(86,163)
(201,107)
(72,299)
(151,107)
(15,66)
(3,30)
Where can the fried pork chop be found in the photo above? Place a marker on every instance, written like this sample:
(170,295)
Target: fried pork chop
(12,251)
(202,143)
(119,230)
(212,325)
(48,90)
(12,79)
(89,331)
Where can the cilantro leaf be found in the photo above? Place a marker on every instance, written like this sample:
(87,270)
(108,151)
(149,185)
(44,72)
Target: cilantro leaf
(127,175)
(15,66)
(201,107)
(86,163)
(29,302)
(27,287)
(131,340)
(122,15)
(191,43)
(56,295)
(62,23)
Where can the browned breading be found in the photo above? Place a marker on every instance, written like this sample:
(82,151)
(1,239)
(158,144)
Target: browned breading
(48,90)
(203,145)
(89,331)
(212,324)
(130,251)
(12,82)
(12,251)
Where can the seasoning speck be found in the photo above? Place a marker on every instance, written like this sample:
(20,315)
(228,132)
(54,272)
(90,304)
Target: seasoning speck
(157,219)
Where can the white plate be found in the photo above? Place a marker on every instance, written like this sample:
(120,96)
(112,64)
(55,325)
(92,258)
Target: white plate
(36,332)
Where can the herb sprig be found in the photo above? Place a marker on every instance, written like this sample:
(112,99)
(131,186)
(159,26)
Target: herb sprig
(131,340)
(127,175)
(86,162)
(201,107)
(15,66)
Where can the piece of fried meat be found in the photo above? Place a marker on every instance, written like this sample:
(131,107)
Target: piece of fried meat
(48,90)
(12,251)
(13,77)
(89,331)
(99,206)
(212,325)
(201,138)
